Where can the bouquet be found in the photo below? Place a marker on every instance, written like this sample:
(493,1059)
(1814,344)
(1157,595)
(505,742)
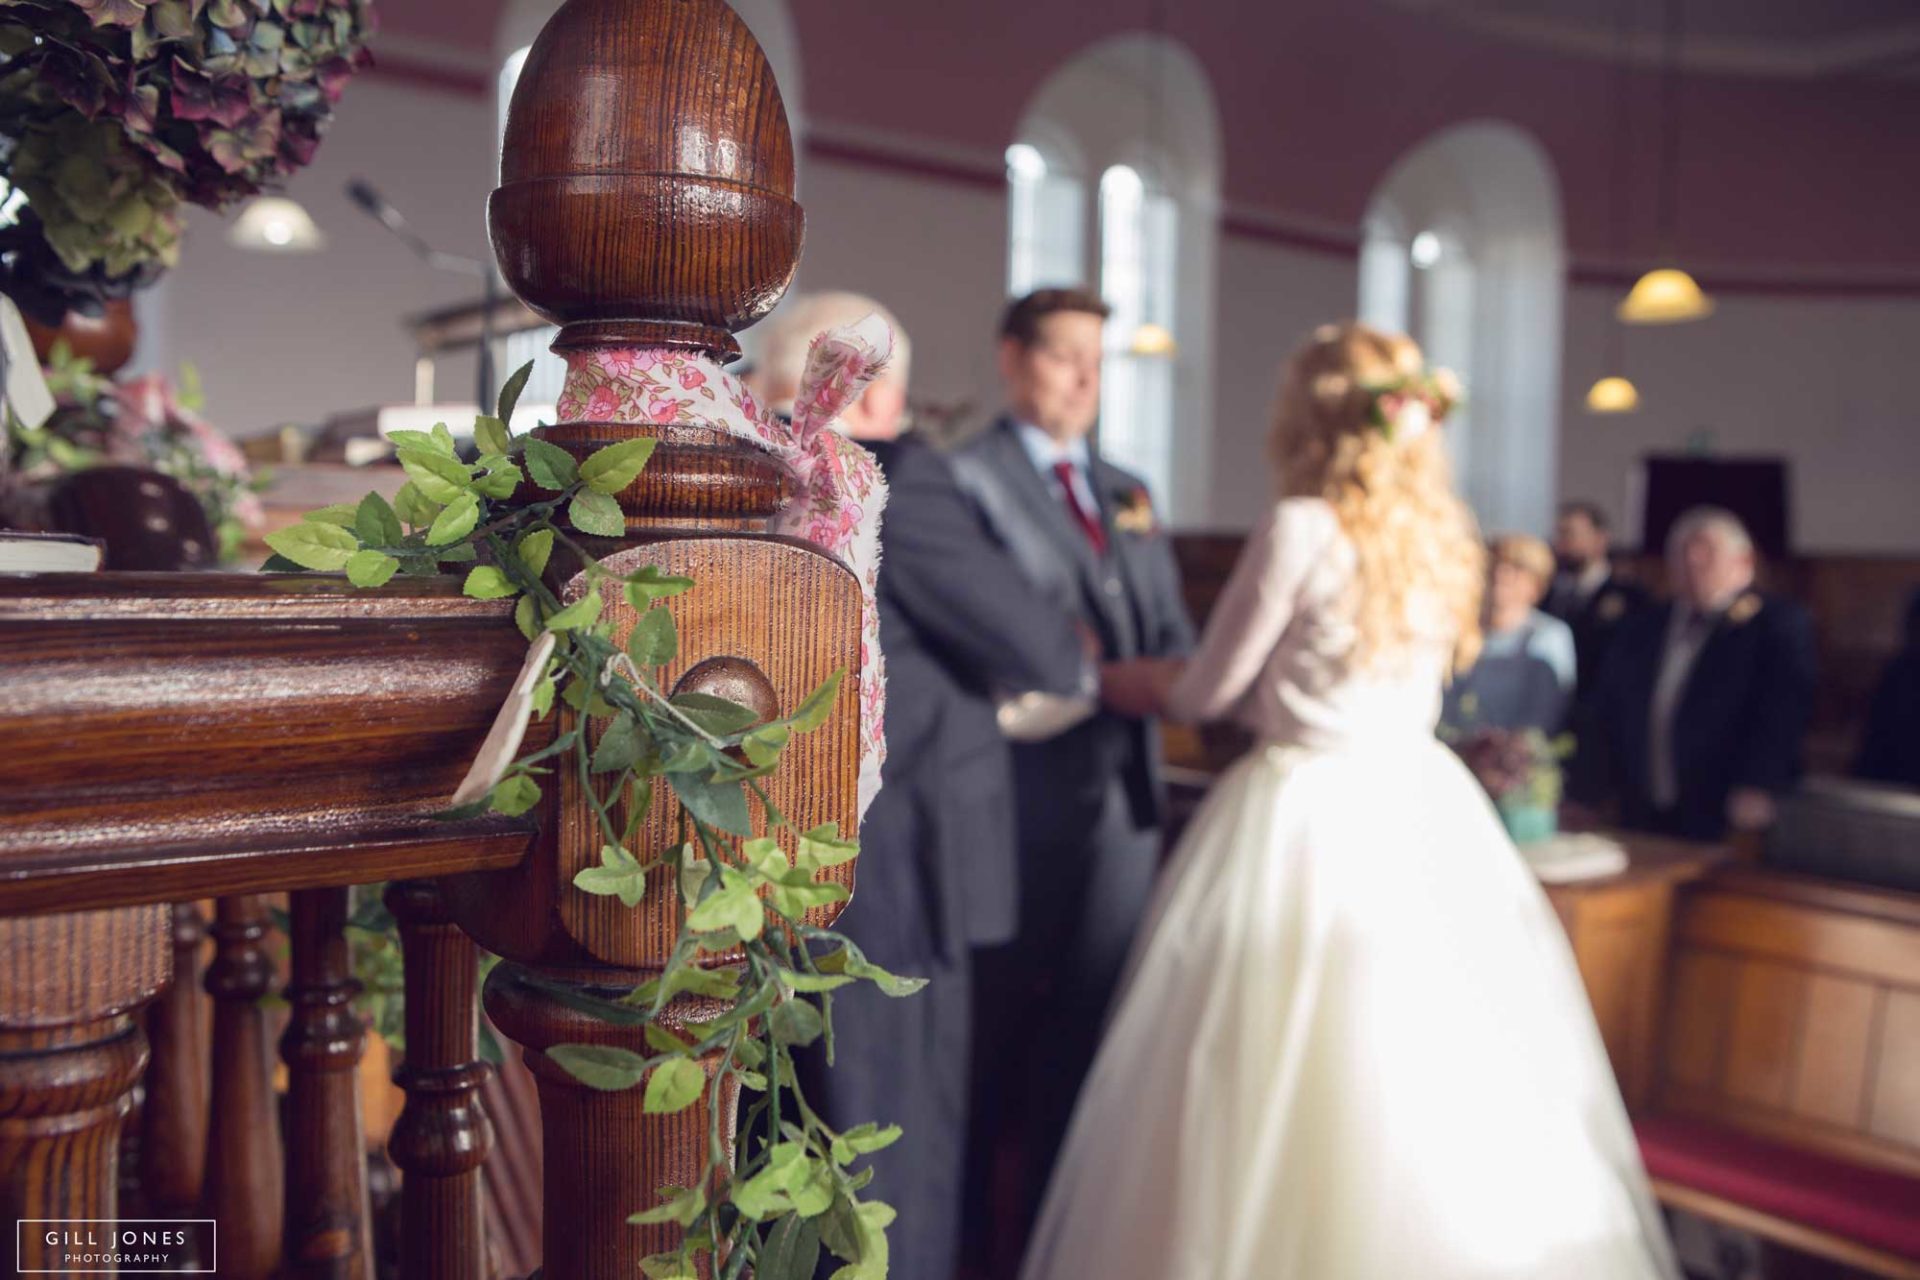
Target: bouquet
(1520,769)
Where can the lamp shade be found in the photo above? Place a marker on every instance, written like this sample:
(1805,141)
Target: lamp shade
(1153,340)
(275,224)
(1612,395)
(1665,295)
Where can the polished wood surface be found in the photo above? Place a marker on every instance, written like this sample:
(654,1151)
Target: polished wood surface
(1795,1014)
(245,1179)
(646,180)
(326,1224)
(173,1117)
(443,1135)
(1619,928)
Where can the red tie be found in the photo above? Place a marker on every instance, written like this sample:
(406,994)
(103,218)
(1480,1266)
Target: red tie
(1063,471)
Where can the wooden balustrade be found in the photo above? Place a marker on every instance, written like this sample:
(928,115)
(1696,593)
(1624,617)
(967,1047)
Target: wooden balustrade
(173,739)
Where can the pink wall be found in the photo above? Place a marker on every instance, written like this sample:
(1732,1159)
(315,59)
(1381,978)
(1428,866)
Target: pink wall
(1779,177)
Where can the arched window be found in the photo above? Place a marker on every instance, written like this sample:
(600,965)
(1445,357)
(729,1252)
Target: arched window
(1138,274)
(1046,221)
(1152,226)
(1462,249)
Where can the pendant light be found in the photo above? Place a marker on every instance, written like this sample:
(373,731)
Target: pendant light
(1667,295)
(1149,337)
(1613,393)
(275,224)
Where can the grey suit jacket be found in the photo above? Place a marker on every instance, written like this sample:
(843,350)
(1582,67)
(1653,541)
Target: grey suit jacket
(1130,597)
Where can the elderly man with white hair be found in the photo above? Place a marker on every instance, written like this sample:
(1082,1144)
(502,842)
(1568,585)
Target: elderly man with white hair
(1703,706)
(937,877)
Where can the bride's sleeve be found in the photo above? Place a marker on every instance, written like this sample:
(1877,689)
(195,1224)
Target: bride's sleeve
(1253,611)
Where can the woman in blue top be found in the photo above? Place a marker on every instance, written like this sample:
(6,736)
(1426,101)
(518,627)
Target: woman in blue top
(1525,676)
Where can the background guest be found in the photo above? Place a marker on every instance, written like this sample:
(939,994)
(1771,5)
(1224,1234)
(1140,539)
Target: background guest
(1890,749)
(937,873)
(1586,593)
(1703,707)
(1525,675)
(1084,534)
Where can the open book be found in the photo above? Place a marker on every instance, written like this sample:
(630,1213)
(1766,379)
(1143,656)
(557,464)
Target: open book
(48,552)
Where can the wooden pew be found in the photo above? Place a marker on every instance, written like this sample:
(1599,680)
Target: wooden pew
(1789,1099)
(174,738)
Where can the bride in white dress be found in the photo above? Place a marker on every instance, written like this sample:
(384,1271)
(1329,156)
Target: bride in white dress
(1352,1044)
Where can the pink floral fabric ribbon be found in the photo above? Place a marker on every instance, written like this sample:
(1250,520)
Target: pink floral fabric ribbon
(840,492)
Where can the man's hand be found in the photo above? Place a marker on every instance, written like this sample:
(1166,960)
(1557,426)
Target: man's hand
(1138,688)
(1750,809)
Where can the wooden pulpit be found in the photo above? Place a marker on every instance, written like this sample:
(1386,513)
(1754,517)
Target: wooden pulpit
(172,739)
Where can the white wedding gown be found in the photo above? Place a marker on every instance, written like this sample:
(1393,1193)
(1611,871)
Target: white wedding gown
(1353,1044)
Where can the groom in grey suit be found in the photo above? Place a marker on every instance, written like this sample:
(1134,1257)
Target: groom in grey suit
(1089,801)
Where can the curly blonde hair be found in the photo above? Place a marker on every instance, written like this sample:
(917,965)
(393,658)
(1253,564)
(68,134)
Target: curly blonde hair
(1414,539)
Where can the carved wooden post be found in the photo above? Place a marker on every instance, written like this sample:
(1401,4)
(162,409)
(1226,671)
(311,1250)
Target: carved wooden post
(173,1120)
(327,1232)
(245,1175)
(646,205)
(442,1136)
(70,1052)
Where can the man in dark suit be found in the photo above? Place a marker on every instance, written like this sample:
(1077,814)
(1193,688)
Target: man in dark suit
(1585,593)
(937,872)
(1703,705)
(1090,798)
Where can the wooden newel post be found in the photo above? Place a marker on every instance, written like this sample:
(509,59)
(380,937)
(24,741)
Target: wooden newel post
(646,207)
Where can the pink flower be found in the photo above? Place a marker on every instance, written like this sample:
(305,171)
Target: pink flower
(603,404)
(690,378)
(617,361)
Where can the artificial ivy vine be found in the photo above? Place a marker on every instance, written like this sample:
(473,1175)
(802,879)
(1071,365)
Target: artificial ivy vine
(794,1190)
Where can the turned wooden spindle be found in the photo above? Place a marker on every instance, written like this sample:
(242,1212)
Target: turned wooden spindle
(245,1175)
(442,1136)
(327,1225)
(173,1118)
(646,203)
(71,1049)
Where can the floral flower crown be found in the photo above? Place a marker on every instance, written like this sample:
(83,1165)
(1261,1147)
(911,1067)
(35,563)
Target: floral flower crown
(1405,408)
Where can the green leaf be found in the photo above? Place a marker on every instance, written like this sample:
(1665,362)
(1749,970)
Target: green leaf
(791,1251)
(277,563)
(849,959)
(669,1266)
(654,640)
(600,1066)
(510,393)
(763,745)
(619,874)
(371,568)
(764,1195)
(439,477)
(542,699)
(795,894)
(614,467)
(315,546)
(339,514)
(620,745)
(765,856)
(515,795)
(680,1205)
(813,712)
(719,984)
(822,847)
(814,1196)
(458,553)
(733,906)
(596,513)
(647,584)
(814,983)
(456,522)
(490,436)
(421,440)
(534,550)
(526,616)
(502,481)
(674,1086)
(374,520)
(721,805)
(443,440)
(662,1040)
(581,613)
(414,507)
(488,583)
(550,466)
(795,1022)
(717,716)
(863,1140)
(841,1232)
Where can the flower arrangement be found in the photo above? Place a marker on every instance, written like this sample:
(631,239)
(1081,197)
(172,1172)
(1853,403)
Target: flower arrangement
(114,113)
(1520,770)
(1408,407)
(144,421)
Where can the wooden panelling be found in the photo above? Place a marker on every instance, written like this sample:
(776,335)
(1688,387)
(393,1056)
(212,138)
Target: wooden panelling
(1703,986)
(1837,1030)
(1763,1043)
(1895,1114)
(1875,949)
